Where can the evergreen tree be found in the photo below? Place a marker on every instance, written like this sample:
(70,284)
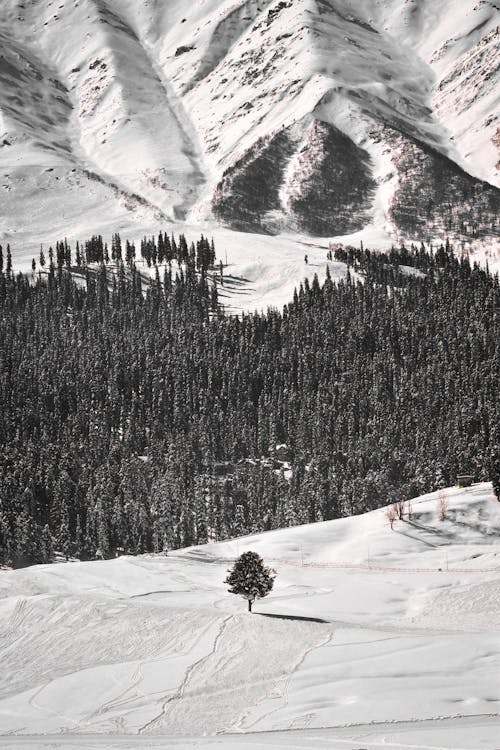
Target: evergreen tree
(46,545)
(250,578)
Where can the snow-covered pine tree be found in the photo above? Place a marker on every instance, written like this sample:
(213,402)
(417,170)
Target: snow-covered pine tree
(250,578)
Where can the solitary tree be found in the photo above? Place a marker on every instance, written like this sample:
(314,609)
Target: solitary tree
(250,578)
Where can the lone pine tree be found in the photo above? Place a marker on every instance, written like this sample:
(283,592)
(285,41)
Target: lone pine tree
(250,578)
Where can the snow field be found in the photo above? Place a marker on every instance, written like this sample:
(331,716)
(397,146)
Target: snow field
(375,636)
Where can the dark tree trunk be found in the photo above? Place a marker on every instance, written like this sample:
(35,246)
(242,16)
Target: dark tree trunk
(249,605)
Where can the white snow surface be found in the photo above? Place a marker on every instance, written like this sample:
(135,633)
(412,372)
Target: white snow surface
(379,638)
(121,115)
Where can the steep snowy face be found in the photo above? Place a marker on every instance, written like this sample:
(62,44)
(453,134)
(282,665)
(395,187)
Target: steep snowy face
(297,110)
(460,42)
(264,115)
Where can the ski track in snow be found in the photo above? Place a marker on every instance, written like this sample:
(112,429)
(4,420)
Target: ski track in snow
(243,725)
(157,720)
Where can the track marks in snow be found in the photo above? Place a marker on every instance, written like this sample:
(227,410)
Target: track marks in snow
(159,720)
(218,687)
(455,732)
(155,678)
(278,692)
(57,636)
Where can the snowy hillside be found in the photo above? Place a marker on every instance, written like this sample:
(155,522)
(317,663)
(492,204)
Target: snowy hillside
(309,118)
(379,637)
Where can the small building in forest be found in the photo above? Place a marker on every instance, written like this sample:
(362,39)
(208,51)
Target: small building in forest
(464,480)
(222,468)
(282,452)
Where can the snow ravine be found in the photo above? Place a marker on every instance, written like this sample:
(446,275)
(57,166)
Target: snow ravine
(378,637)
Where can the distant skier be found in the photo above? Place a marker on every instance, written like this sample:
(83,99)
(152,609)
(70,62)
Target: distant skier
(306,259)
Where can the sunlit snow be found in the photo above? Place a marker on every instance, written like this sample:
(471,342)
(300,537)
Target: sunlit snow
(378,637)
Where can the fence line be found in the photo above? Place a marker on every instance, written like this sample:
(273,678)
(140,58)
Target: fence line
(346,565)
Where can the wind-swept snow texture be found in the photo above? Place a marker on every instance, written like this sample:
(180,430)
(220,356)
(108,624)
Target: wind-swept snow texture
(306,118)
(371,637)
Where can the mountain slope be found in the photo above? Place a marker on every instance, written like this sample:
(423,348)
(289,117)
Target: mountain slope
(374,633)
(267,116)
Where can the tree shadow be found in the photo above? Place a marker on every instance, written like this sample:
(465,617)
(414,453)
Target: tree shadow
(431,529)
(418,539)
(292,617)
(236,279)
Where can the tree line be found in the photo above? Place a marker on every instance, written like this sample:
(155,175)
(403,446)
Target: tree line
(153,250)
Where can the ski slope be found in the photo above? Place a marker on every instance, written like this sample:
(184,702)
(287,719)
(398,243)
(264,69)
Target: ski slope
(371,638)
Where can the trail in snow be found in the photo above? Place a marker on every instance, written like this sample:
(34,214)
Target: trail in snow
(158,720)
(279,691)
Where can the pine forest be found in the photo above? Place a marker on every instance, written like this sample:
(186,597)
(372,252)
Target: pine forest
(139,416)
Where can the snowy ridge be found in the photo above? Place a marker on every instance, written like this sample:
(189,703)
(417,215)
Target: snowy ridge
(121,115)
(371,635)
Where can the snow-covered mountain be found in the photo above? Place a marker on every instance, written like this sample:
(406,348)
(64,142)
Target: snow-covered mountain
(373,637)
(309,117)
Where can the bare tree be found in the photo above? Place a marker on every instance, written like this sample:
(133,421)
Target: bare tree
(391,514)
(409,510)
(400,508)
(442,506)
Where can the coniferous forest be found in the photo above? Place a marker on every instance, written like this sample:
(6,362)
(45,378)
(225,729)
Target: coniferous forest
(137,416)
